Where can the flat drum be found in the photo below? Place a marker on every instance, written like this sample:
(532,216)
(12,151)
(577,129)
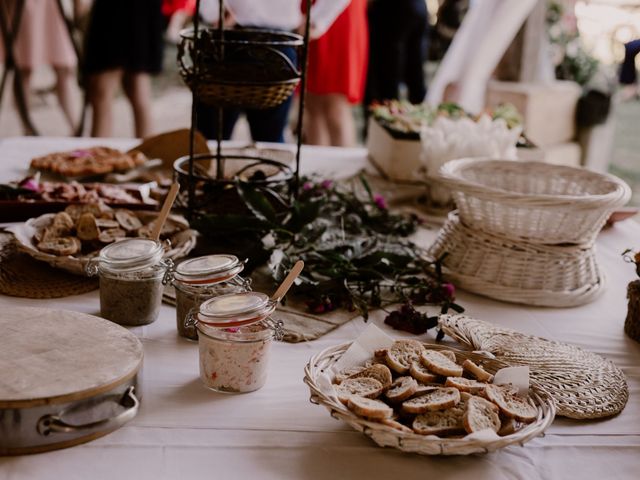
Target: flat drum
(65,378)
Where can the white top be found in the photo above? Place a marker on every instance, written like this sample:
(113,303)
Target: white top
(184,431)
(278,14)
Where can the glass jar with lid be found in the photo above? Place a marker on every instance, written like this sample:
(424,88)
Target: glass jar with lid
(131,280)
(235,334)
(200,279)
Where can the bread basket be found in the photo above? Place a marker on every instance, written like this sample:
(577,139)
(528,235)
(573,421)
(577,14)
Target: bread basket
(385,436)
(532,201)
(517,271)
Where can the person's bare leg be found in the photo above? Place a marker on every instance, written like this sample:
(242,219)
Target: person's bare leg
(65,92)
(316,131)
(25,77)
(342,130)
(137,87)
(101,91)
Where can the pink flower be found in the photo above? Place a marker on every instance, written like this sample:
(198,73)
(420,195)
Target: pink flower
(380,201)
(449,290)
(30,183)
(81,153)
(326,184)
(306,186)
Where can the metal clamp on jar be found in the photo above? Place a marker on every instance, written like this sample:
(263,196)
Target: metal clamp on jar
(200,279)
(131,280)
(235,335)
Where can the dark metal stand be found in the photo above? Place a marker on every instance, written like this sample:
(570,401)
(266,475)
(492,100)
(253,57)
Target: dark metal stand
(219,157)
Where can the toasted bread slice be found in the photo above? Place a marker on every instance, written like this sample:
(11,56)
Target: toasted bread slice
(396,425)
(444,422)
(508,426)
(402,354)
(477,371)
(401,389)
(440,398)
(367,407)
(450,354)
(422,373)
(379,372)
(510,403)
(480,415)
(440,364)
(342,375)
(364,387)
(87,229)
(465,384)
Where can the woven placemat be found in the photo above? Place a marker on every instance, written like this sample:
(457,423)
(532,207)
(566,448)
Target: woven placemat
(22,276)
(583,384)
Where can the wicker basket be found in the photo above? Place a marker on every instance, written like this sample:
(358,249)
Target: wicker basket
(533,201)
(386,436)
(515,271)
(247,68)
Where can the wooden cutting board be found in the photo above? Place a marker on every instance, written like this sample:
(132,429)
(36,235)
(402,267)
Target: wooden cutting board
(56,356)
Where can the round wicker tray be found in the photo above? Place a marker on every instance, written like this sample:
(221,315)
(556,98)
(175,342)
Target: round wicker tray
(386,436)
(583,384)
(533,201)
(516,271)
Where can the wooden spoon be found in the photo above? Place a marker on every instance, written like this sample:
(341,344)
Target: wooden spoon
(164,213)
(288,281)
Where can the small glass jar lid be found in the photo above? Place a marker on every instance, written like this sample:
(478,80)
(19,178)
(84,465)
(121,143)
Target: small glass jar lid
(208,269)
(131,254)
(236,309)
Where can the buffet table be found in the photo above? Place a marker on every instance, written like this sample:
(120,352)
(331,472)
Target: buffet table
(185,431)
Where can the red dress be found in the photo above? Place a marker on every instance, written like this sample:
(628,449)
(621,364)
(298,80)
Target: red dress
(338,59)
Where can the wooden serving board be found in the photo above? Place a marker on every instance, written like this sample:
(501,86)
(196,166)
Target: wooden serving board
(56,356)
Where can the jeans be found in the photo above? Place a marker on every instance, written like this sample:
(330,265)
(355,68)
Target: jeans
(628,73)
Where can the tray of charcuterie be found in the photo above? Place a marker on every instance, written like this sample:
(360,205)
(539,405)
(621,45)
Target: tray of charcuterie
(70,238)
(427,398)
(31,197)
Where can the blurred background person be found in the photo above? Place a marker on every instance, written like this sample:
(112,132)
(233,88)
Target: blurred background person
(124,46)
(628,73)
(266,125)
(398,49)
(336,78)
(42,40)
(176,14)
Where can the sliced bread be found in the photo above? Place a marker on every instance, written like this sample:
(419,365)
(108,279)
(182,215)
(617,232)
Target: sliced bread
(440,398)
(440,364)
(364,387)
(401,389)
(480,415)
(367,407)
(465,384)
(510,403)
(379,372)
(422,373)
(445,422)
(477,371)
(402,354)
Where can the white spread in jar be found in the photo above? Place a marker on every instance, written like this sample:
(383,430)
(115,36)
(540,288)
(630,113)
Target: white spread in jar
(234,359)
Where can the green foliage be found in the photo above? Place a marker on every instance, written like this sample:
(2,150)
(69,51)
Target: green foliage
(356,252)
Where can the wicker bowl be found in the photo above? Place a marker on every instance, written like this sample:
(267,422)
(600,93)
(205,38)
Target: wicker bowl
(533,201)
(516,271)
(386,436)
(244,68)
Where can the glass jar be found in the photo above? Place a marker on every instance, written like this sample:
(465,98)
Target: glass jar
(200,279)
(131,280)
(235,334)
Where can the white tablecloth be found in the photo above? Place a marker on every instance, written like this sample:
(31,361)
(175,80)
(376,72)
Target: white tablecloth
(185,431)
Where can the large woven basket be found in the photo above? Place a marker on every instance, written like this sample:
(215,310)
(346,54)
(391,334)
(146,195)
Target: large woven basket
(386,436)
(516,271)
(243,68)
(533,201)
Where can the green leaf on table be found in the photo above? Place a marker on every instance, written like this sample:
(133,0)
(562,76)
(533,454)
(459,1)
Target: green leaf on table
(257,202)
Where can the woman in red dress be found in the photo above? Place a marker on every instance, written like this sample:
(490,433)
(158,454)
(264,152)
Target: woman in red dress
(336,78)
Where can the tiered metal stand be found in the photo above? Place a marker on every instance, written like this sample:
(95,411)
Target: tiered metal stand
(246,69)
